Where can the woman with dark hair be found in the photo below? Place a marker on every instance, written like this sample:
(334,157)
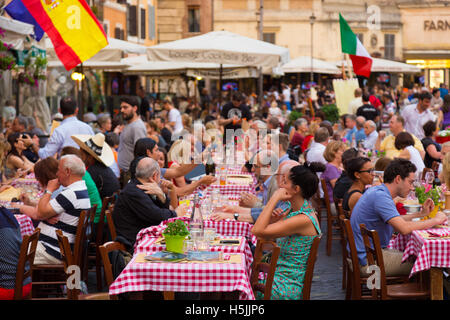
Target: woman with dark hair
(144,147)
(15,160)
(360,170)
(431,147)
(405,143)
(444,113)
(297,227)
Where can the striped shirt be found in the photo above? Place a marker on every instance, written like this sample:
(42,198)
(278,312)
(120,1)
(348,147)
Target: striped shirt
(68,204)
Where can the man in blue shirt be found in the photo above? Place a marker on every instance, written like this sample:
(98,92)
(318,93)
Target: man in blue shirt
(376,209)
(350,124)
(61,136)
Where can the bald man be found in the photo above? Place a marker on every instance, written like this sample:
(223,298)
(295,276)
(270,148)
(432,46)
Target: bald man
(251,213)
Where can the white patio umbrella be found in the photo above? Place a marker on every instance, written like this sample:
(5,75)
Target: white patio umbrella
(385,65)
(303,64)
(221,47)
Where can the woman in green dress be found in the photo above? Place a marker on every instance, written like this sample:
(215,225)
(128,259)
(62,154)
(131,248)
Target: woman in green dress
(295,229)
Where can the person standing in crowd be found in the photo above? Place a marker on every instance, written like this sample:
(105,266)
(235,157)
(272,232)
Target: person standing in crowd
(144,106)
(301,128)
(360,135)
(350,124)
(132,132)
(60,137)
(368,111)
(436,101)
(174,118)
(444,113)
(356,102)
(416,115)
(287,96)
(432,148)
(104,123)
(232,115)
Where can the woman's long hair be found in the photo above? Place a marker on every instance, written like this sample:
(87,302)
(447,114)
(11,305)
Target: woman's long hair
(306,178)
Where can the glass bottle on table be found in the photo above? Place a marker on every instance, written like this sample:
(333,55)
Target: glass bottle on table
(196,221)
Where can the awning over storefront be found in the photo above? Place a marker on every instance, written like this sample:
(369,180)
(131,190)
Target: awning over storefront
(16,32)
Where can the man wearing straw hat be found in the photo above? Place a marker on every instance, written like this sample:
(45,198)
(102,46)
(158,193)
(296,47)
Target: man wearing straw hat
(98,157)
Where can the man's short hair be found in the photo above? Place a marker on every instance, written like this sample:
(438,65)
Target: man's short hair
(22,120)
(268,158)
(425,95)
(236,97)
(401,119)
(146,168)
(366,97)
(75,164)
(351,116)
(398,167)
(132,101)
(67,106)
(283,140)
(321,135)
(299,122)
(371,123)
(274,122)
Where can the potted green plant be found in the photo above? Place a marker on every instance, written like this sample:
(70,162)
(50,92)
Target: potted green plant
(174,235)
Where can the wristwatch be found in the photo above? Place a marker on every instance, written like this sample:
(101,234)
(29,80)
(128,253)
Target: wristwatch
(46,191)
(236,216)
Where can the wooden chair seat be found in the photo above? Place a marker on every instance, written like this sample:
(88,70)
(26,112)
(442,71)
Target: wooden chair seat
(332,220)
(407,291)
(268,269)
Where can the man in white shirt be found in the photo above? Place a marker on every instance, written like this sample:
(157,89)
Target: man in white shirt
(287,96)
(371,134)
(174,117)
(317,148)
(416,115)
(355,103)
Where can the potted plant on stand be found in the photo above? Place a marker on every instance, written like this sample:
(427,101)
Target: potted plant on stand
(174,236)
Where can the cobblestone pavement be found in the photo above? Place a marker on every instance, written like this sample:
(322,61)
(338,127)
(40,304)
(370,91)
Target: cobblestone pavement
(327,279)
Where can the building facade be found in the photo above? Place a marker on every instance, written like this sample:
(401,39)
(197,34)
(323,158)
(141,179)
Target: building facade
(426,30)
(178,19)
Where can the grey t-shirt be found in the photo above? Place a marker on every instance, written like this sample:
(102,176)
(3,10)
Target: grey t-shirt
(131,133)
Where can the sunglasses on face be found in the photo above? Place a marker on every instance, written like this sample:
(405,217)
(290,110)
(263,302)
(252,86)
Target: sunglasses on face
(368,171)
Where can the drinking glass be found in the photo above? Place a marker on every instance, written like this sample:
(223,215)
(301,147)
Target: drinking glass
(210,234)
(188,246)
(202,245)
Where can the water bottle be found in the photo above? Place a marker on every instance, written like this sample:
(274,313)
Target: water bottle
(196,221)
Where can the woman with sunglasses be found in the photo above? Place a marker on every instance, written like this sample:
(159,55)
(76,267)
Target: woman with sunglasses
(16,162)
(361,171)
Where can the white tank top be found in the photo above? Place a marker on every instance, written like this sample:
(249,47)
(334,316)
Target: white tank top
(416,159)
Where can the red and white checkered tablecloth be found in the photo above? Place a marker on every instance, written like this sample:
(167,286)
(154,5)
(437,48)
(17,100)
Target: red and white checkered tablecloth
(399,242)
(225,228)
(184,277)
(148,246)
(429,252)
(26,224)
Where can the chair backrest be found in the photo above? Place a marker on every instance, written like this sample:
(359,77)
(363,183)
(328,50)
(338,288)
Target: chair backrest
(80,237)
(350,253)
(68,259)
(105,249)
(374,256)
(326,197)
(264,246)
(107,204)
(310,267)
(27,253)
(111,226)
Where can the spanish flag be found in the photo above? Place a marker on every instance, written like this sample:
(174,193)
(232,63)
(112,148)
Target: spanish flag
(72,27)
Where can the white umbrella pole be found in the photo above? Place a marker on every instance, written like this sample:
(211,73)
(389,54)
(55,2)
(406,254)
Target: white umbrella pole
(220,85)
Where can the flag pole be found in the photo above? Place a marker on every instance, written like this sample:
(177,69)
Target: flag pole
(350,73)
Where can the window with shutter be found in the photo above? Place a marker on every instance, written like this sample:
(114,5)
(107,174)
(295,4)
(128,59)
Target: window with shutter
(151,22)
(117,33)
(132,21)
(143,31)
(193,19)
(389,46)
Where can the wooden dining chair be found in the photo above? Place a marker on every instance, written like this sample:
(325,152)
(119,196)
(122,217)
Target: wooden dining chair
(340,212)
(409,290)
(26,256)
(307,282)
(100,238)
(111,226)
(52,276)
(332,220)
(105,249)
(263,249)
(69,259)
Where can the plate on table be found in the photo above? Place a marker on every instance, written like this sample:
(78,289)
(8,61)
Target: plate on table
(165,256)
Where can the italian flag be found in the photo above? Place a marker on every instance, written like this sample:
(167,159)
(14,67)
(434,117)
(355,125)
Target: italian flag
(361,59)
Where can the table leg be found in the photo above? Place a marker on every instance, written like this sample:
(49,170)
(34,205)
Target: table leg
(436,284)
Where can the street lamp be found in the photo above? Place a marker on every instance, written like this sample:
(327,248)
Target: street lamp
(312,19)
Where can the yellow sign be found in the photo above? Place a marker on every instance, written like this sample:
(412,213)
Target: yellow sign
(431,64)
